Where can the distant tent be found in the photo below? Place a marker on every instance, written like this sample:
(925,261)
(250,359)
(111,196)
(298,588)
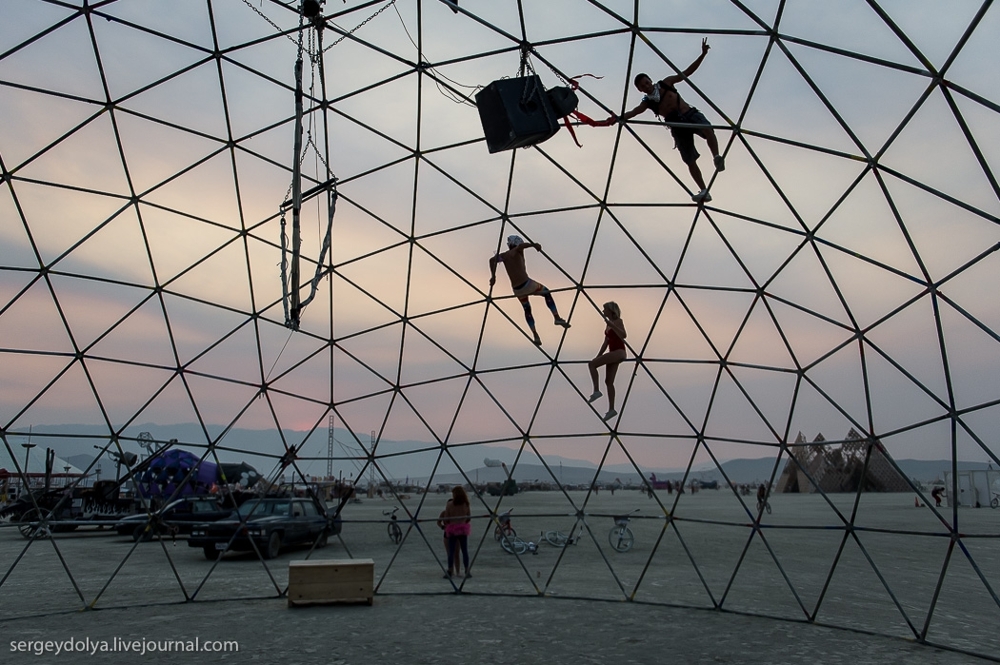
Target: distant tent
(240,473)
(171,469)
(36,464)
(858,463)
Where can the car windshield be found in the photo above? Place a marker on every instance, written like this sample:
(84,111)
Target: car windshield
(263,508)
(204,507)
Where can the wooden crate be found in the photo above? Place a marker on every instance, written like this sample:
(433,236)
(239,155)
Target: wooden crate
(330,581)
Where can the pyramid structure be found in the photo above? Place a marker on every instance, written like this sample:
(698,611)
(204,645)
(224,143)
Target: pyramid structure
(837,280)
(856,465)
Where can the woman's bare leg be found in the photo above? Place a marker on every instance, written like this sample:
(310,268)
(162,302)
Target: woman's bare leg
(592,366)
(609,381)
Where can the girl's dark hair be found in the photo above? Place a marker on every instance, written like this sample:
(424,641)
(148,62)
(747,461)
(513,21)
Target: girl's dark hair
(458,496)
(635,81)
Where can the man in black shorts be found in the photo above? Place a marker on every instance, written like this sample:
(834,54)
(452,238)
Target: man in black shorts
(664,100)
(524,286)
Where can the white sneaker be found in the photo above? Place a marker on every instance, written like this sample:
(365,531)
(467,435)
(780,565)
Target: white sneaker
(702,197)
(596,396)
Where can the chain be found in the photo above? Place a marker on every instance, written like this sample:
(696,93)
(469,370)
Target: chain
(264,16)
(359,26)
(284,268)
(319,156)
(558,75)
(525,62)
(526,67)
(302,160)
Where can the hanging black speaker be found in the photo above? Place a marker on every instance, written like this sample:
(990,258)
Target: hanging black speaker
(515,113)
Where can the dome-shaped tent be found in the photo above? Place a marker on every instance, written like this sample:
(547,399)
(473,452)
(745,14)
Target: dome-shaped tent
(174,468)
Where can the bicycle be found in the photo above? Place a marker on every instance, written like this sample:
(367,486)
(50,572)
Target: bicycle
(516,545)
(559,539)
(995,501)
(504,527)
(395,532)
(763,505)
(620,536)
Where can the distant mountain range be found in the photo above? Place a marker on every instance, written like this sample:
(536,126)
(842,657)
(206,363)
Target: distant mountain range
(408,460)
(740,471)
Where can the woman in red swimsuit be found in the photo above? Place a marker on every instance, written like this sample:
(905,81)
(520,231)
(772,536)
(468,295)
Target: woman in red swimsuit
(614,345)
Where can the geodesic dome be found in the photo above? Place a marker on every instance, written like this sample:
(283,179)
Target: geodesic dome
(837,281)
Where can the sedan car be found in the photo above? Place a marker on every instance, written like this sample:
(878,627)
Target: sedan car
(176,517)
(270,524)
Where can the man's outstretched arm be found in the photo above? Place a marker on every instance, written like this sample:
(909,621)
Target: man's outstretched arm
(493,269)
(527,245)
(628,115)
(677,78)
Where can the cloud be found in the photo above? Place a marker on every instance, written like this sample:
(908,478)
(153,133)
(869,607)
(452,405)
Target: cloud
(799,220)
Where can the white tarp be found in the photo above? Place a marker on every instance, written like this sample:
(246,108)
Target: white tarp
(36,461)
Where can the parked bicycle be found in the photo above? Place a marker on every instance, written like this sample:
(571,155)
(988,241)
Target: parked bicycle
(559,539)
(517,545)
(504,527)
(620,536)
(995,501)
(395,532)
(514,544)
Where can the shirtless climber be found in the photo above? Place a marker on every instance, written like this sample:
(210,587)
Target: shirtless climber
(664,100)
(523,286)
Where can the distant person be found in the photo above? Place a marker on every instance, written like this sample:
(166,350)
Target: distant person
(761,497)
(614,346)
(936,494)
(663,99)
(523,286)
(451,553)
(457,521)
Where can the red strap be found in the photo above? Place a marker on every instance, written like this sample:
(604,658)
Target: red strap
(573,83)
(570,128)
(596,123)
(580,116)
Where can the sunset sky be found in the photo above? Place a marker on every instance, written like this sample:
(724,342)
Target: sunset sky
(841,277)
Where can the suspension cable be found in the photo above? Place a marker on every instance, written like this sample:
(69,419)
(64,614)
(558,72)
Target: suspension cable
(359,26)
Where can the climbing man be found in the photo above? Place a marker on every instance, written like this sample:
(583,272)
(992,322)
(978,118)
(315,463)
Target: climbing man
(523,286)
(664,100)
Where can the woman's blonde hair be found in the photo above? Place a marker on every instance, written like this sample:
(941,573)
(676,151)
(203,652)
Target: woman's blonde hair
(615,309)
